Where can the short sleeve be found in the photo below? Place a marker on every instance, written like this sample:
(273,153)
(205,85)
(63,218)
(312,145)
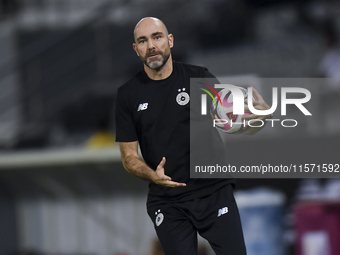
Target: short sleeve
(212,78)
(207,74)
(125,128)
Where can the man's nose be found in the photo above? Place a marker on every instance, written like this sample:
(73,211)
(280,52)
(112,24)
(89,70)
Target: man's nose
(151,46)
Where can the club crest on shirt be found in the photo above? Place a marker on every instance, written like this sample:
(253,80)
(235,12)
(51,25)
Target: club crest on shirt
(183,97)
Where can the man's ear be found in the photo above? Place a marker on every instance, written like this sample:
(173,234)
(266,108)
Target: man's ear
(135,48)
(171,40)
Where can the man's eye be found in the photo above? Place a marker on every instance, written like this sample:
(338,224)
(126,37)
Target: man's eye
(157,37)
(142,41)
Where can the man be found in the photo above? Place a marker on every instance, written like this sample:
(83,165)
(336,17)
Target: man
(150,113)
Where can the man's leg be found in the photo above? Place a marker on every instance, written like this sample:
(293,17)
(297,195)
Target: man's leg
(222,226)
(175,232)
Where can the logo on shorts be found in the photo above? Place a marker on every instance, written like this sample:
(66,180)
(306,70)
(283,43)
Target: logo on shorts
(183,97)
(159,218)
(222,211)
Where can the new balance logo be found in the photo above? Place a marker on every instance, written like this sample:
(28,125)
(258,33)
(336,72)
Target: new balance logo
(142,107)
(222,211)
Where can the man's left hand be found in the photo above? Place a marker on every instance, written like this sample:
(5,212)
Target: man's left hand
(258,104)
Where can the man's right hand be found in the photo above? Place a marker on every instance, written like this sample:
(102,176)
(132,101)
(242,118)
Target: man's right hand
(161,179)
(134,165)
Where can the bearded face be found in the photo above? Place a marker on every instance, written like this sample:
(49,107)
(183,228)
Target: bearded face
(156,59)
(152,43)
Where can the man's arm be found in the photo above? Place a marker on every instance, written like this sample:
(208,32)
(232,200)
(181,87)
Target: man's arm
(134,165)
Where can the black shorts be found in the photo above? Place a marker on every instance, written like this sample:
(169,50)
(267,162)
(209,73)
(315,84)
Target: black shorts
(214,217)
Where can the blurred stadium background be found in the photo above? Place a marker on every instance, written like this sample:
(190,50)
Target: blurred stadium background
(62,187)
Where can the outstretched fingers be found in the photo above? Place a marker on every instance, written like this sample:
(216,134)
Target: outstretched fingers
(163,179)
(160,171)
